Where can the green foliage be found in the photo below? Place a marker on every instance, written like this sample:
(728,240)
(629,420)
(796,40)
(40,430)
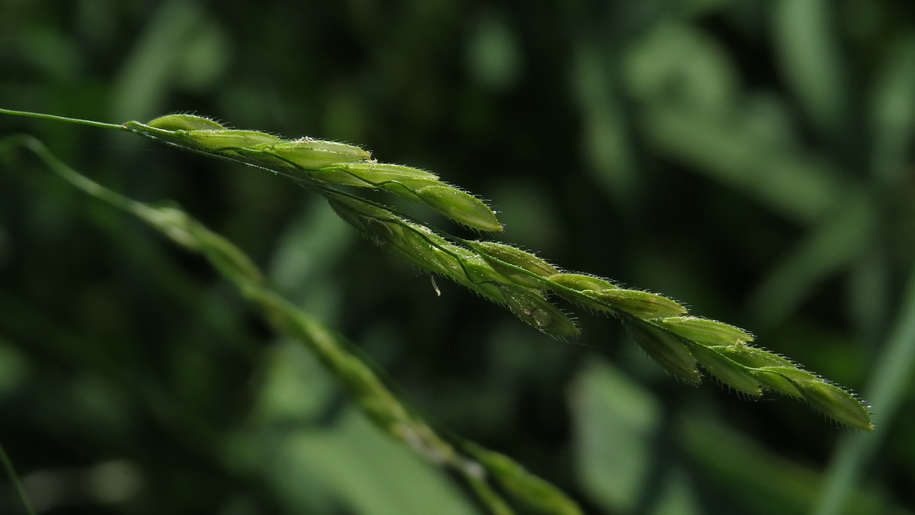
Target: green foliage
(750,159)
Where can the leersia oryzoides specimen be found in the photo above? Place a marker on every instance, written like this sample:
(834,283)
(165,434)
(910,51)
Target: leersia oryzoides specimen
(526,284)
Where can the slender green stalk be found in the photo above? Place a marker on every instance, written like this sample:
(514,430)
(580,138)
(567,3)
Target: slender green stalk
(14,479)
(43,116)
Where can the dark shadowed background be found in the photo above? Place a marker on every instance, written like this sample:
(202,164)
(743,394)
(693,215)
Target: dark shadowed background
(752,159)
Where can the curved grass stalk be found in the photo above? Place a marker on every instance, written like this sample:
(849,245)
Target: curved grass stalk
(14,480)
(498,481)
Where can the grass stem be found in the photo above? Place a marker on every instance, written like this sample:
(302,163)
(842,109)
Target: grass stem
(79,121)
(14,479)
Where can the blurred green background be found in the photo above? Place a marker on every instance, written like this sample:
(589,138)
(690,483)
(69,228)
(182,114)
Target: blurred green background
(750,158)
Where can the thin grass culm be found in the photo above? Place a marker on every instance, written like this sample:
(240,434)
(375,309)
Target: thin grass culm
(14,480)
(685,345)
(499,483)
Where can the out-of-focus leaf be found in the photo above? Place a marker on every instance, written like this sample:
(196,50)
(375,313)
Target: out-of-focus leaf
(831,246)
(749,475)
(148,73)
(607,145)
(316,457)
(493,53)
(746,147)
(804,34)
(892,378)
(681,65)
(616,423)
(14,368)
(892,112)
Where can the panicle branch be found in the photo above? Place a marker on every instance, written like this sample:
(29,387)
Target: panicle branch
(519,280)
